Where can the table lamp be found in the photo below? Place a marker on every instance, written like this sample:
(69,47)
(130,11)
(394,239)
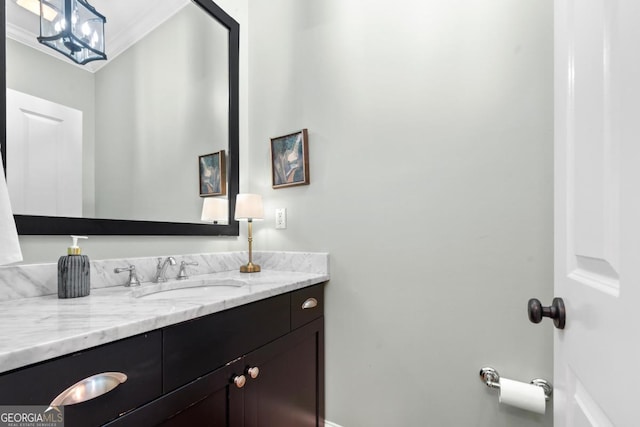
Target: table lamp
(215,210)
(249,208)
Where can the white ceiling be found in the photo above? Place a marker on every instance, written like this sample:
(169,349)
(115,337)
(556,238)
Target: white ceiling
(127,22)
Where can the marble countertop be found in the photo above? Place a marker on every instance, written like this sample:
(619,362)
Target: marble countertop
(40,328)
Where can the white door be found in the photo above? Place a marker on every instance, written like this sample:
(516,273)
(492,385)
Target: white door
(597,212)
(44,156)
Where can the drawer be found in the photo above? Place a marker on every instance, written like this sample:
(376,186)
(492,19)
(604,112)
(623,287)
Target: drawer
(137,357)
(196,347)
(307,304)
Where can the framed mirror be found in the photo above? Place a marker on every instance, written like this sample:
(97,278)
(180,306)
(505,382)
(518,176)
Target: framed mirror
(173,104)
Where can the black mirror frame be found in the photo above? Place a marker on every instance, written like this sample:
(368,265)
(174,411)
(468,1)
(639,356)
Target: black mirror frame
(46,225)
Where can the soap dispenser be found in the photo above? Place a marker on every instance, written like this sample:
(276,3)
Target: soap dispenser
(73,272)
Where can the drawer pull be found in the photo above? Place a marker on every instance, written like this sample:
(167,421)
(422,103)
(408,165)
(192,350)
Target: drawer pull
(89,388)
(253,372)
(309,303)
(239,381)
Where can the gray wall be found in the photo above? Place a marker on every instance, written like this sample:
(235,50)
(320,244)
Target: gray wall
(430,128)
(160,105)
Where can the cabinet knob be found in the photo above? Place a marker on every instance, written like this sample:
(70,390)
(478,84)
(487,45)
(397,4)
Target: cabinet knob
(239,381)
(253,372)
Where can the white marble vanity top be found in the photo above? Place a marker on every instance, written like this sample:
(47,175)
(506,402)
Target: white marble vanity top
(40,328)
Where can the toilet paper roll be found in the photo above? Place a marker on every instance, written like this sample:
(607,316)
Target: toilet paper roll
(522,395)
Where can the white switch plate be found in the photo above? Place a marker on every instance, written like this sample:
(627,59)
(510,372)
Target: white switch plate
(281,218)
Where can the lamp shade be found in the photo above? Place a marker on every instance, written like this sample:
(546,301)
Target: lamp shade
(249,207)
(73,28)
(215,209)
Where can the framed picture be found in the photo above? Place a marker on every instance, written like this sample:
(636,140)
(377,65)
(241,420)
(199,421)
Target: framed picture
(290,160)
(213,175)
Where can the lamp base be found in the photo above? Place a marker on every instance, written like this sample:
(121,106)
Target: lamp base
(249,268)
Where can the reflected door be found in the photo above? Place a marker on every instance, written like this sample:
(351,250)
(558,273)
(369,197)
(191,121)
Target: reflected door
(597,212)
(44,149)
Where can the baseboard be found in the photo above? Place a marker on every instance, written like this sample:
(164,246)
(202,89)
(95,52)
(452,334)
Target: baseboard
(330,424)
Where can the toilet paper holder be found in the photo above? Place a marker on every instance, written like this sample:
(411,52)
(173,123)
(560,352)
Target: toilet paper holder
(491,378)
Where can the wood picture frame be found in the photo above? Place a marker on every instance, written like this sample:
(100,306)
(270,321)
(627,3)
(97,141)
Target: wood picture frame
(212,174)
(290,159)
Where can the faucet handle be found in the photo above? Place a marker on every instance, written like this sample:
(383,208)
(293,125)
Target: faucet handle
(182,274)
(133,277)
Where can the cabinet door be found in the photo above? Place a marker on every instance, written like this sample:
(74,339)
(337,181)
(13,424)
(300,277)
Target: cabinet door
(289,388)
(202,402)
(210,411)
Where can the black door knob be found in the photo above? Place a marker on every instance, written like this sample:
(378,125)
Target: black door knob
(555,311)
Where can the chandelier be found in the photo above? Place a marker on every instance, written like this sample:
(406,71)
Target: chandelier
(76,29)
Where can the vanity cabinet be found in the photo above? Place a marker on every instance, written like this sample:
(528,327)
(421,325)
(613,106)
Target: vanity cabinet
(288,389)
(258,365)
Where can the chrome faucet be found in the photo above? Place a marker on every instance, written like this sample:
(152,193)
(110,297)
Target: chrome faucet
(161,269)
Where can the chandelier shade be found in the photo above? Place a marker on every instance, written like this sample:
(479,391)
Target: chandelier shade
(76,31)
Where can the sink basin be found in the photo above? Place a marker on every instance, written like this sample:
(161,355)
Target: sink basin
(190,289)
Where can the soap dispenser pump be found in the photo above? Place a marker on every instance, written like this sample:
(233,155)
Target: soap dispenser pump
(73,272)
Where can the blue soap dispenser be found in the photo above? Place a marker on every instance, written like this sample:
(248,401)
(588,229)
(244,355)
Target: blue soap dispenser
(73,272)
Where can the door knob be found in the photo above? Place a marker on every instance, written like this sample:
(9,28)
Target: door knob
(555,311)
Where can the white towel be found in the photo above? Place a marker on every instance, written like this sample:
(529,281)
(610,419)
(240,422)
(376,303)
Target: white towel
(9,244)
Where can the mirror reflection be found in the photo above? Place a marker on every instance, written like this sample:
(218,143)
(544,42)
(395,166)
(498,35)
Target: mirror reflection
(117,139)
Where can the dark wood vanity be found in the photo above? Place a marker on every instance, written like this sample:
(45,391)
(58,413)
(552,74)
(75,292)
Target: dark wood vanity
(259,364)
